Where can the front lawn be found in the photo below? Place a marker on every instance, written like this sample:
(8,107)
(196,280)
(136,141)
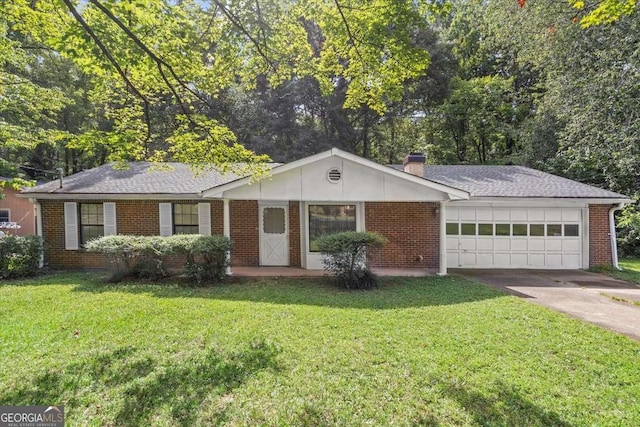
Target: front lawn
(416,351)
(630,270)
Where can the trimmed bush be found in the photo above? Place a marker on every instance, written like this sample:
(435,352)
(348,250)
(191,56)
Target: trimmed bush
(145,256)
(206,256)
(133,256)
(344,255)
(20,256)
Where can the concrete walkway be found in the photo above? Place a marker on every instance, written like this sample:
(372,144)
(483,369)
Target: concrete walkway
(588,296)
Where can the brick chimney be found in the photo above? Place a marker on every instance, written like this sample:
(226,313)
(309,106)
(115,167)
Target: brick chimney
(414,164)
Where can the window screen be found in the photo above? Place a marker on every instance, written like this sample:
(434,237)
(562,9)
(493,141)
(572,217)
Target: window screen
(329,219)
(273,220)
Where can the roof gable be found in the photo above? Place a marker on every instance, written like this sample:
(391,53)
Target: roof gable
(360,179)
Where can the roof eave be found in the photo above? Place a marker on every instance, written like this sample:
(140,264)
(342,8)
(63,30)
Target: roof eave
(111,196)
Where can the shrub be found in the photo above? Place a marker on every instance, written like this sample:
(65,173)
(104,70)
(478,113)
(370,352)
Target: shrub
(628,235)
(145,256)
(20,256)
(137,256)
(344,255)
(206,256)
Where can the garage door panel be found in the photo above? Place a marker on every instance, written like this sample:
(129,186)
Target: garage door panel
(468,244)
(501,215)
(502,244)
(519,260)
(574,245)
(502,259)
(468,258)
(485,244)
(484,214)
(519,244)
(467,214)
(452,243)
(529,244)
(571,215)
(536,215)
(553,245)
(553,260)
(519,215)
(453,259)
(571,260)
(452,214)
(484,258)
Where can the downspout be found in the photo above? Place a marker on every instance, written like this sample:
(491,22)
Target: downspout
(612,235)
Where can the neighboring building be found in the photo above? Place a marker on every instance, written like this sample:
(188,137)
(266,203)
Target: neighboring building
(433,216)
(17,214)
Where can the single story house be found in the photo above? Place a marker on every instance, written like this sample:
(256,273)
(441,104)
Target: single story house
(435,217)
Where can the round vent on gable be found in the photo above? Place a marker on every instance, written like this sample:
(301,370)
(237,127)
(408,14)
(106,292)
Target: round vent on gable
(334,175)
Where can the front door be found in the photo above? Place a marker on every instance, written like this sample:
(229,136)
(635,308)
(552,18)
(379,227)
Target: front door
(274,235)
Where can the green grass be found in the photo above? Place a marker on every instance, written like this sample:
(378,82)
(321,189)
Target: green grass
(416,351)
(630,270)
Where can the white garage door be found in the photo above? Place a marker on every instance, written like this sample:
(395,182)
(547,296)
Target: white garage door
(479,237)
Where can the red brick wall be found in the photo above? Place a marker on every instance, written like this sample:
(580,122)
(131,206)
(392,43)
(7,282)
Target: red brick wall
(244,232)
(599,235)
(294,234)
(139,217)
(413,230)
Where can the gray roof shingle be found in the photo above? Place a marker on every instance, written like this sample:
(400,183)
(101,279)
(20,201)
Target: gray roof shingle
(512,181)
(179,179)
(139,178)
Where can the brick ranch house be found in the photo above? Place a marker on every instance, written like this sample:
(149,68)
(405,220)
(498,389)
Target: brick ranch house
(434,217)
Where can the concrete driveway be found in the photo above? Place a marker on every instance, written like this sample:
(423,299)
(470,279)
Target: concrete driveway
(588,296)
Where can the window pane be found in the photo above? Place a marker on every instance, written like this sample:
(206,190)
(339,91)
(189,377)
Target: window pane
(485,229)
(468,229)
(503,229)
(571,230)
(273,220)
(329,219)
(554,230)
(88,232)
(536,230)
(4,215)
(452,228)
(185,218)
(186,229)
(519,229)
(91,214)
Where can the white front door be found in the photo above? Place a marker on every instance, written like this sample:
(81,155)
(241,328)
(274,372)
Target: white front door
(274,234)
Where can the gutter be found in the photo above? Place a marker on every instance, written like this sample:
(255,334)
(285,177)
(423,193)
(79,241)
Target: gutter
(612,235)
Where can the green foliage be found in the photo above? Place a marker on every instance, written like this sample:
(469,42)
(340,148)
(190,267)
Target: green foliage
(20,256)
(344,255)
(137,256)
(206,256)
(146,256)
(628,224)
(604,11)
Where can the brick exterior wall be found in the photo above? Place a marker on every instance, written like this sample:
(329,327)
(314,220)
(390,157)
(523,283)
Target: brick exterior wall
(139,217)
(294,234)
(413,231)
(244,233)
(599,235)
